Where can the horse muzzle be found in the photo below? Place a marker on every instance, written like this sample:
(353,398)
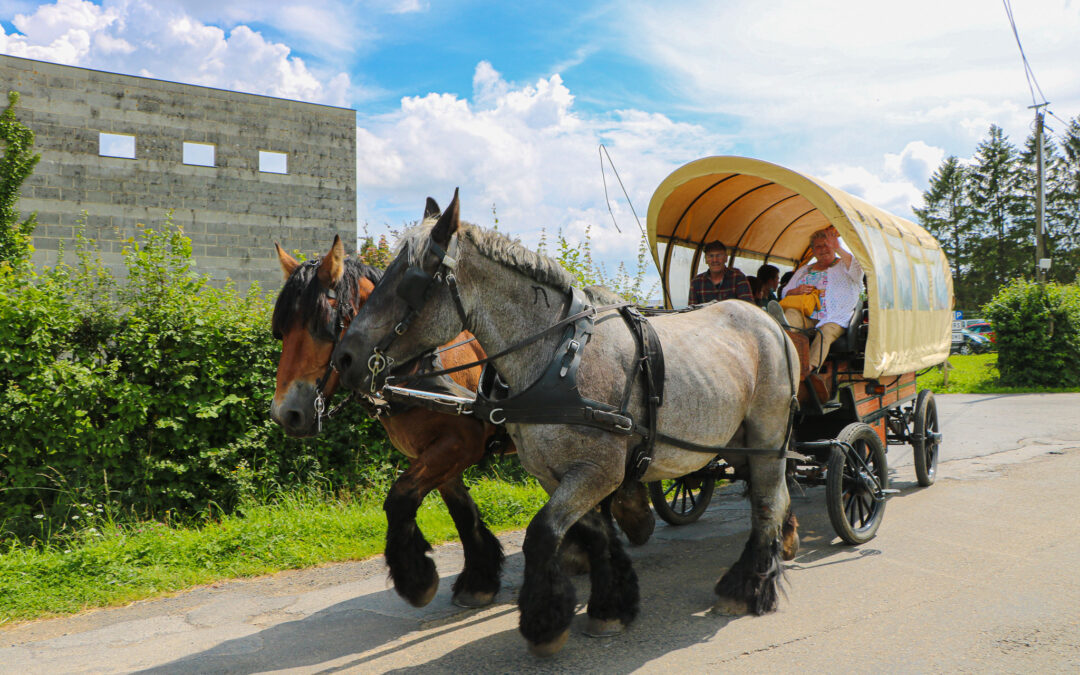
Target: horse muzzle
(296,414)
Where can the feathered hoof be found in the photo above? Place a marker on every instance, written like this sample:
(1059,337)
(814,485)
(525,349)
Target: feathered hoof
(600,628)
(546,649)
(729,607)
(422,599)
(470,600)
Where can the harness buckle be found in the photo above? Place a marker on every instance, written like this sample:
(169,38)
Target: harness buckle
(568,358)
(401,328)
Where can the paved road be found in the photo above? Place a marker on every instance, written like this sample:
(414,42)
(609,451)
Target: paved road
(975,574)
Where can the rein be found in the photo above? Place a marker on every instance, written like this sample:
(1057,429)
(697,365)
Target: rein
(591,311)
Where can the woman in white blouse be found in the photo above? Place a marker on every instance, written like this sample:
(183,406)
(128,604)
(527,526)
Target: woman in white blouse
(838,277)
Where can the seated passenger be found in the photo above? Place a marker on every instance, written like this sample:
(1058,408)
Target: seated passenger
(837,277)
(719,282)
(769,278)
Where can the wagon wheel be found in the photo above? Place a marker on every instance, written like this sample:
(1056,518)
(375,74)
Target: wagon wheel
(681,501)
(854,484)
(925,447)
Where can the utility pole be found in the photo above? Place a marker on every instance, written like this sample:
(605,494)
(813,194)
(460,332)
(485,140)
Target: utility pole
(1041,262)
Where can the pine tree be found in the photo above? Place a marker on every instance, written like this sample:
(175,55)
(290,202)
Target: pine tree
(994,192)
(945,215)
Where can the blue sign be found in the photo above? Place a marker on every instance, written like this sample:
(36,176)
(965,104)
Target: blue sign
(958,315)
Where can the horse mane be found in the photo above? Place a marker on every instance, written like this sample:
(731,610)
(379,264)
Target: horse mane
(494,246)
(302,297)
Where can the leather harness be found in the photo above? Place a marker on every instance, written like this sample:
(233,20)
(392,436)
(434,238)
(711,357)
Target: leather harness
(555,398)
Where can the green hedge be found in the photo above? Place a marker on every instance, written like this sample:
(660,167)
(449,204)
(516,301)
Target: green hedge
(150,395)
(1038,333)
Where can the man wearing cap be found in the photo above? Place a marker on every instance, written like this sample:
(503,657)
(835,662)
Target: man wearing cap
(719,282)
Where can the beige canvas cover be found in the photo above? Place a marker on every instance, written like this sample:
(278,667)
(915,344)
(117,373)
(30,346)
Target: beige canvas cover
(765,212)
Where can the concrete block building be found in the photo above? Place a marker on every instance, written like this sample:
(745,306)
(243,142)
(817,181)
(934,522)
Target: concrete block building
(238,171)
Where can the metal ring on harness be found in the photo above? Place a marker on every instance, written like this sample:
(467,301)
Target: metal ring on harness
(491,416)
(377,363)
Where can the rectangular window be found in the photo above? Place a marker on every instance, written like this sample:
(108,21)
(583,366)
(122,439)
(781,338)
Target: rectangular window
(273,162)
(198,154)
(116,145)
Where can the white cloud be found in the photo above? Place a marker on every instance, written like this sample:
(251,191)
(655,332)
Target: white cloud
(167,43)
(525,151)
(812,81)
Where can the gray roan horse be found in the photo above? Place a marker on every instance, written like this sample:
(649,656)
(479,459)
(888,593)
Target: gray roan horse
(728,383)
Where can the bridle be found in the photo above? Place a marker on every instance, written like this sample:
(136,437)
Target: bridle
(320,384)
(415,289)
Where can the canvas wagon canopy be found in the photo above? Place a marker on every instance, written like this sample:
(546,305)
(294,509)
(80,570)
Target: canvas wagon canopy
(766,213)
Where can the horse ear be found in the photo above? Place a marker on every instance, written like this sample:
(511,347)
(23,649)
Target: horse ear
(448,222)
(332,266)
(288,263)
(431,209)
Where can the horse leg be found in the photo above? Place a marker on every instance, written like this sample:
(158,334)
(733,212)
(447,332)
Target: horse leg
(790,537)
(630,508)
(478,583)
(547,597)
(614,595)
(411,569)
(751,584)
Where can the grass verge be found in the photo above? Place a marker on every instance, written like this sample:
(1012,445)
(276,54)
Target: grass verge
(977,374)
(106,564)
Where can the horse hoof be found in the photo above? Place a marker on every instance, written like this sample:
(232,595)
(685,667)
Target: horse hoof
(600,628)
(730,607)
(470,600)
(790,535)
(424,598)
(791,547)
(545,649)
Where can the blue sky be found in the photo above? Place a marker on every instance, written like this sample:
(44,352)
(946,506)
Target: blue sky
(509,100)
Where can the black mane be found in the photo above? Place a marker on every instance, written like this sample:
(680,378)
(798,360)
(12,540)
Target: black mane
(303,298)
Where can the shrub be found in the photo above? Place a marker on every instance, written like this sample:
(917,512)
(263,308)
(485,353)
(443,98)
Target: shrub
(150,395)
(1038,333)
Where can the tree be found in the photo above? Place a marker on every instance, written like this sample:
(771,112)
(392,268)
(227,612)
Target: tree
(945,215)
(18,162)
(994,191)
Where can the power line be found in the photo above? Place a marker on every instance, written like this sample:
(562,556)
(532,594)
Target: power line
(1033,84)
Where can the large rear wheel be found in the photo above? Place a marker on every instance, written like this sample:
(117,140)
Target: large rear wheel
(927,439)
(681,501)
(857,475)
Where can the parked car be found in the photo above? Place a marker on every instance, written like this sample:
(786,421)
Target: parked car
(970,342)
(983,328)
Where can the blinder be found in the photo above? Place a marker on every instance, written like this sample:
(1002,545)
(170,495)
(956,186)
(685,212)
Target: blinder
(415,289)
(415,286)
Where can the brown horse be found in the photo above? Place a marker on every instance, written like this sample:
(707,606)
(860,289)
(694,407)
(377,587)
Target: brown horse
(315,306)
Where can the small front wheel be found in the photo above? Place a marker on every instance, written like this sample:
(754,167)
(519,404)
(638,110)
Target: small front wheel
(857,475)
(681,501)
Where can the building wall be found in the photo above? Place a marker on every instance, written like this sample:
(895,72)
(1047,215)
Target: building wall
(232,211)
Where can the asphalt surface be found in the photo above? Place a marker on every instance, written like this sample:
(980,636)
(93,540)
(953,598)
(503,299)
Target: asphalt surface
(974,574)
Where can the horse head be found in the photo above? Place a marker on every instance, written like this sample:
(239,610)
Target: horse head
(314,308)
(414,308)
